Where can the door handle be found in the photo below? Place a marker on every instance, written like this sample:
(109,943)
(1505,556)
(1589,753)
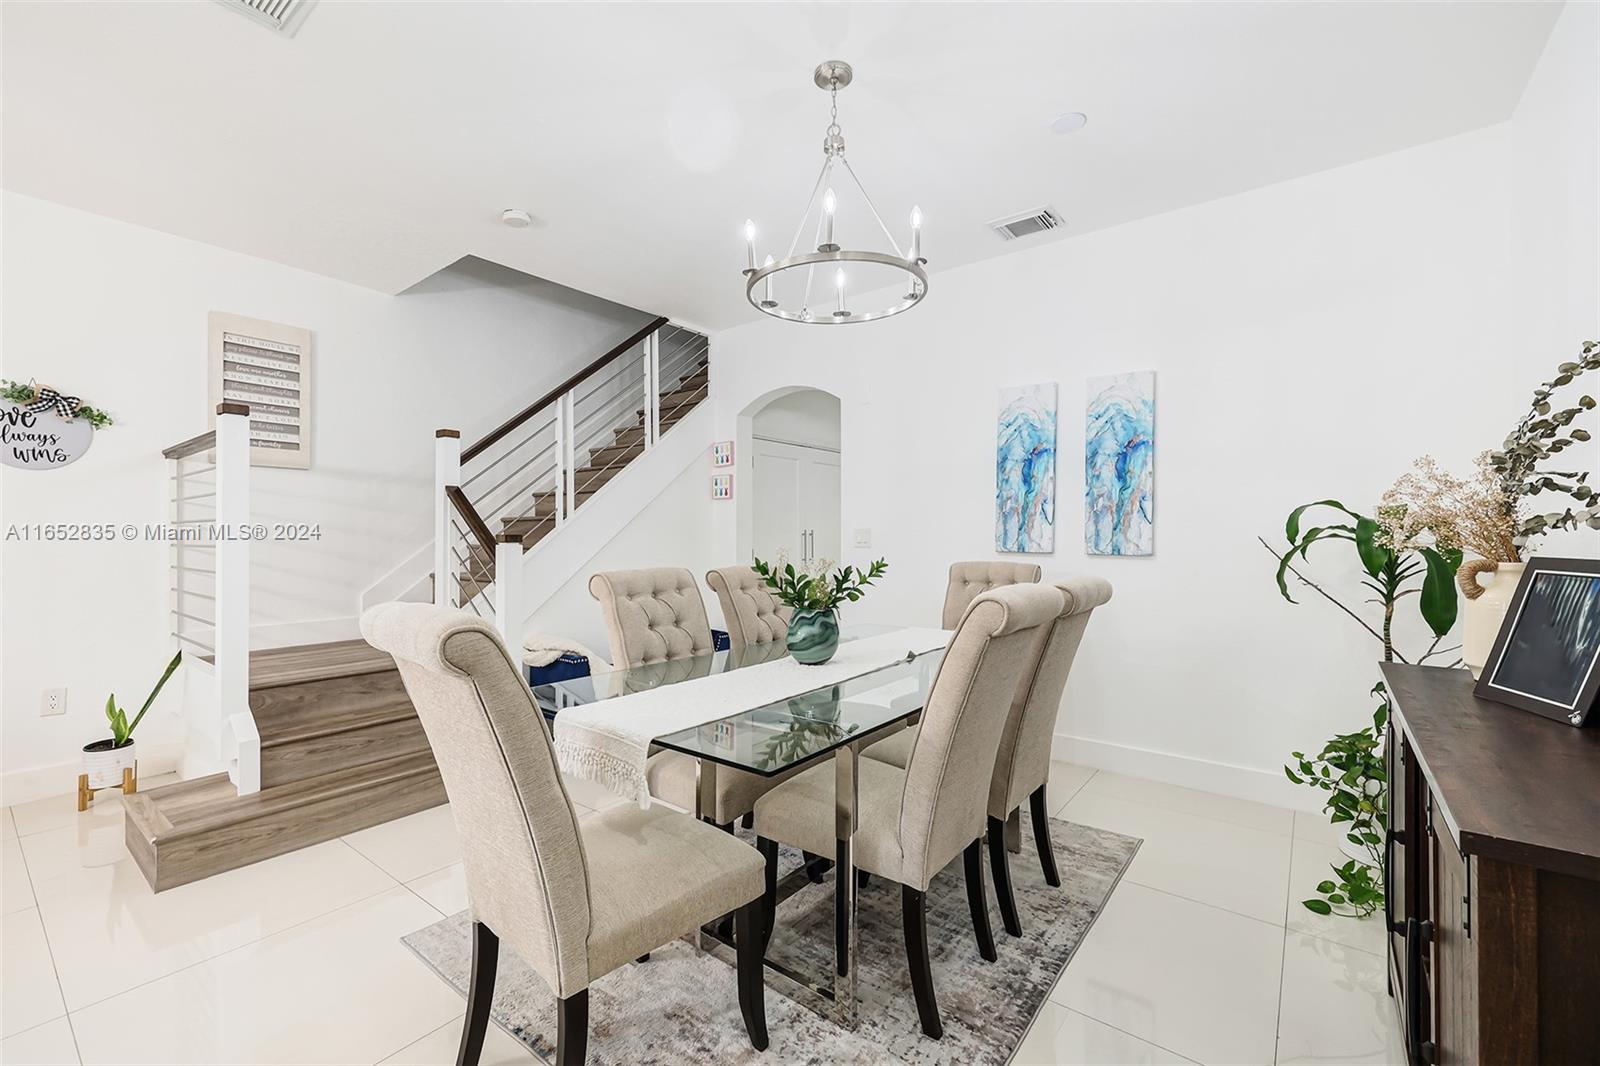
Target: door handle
(1391,837)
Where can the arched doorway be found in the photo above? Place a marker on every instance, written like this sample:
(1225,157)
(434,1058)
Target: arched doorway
(794,478)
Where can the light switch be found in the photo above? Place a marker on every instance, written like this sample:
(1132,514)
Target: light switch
(863,538)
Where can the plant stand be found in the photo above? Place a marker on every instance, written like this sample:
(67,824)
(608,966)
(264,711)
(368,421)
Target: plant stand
(130,785)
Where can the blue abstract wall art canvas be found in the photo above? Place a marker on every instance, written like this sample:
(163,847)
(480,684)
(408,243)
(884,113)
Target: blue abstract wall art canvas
(1119,463)
(1025,470)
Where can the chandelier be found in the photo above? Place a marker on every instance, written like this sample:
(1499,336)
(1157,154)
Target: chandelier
(815,286)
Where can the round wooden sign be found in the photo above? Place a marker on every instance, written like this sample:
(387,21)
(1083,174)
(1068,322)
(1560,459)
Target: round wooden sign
(41,440)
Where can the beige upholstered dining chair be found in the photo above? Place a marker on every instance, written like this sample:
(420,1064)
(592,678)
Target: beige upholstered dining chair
(970,580)
(913,821)
(751,612)
(653,617)
(1022,765)
(575,899)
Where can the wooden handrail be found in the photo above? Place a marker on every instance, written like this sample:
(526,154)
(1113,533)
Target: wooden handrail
(207,440)
(500,431)
(469,514)
(183,449)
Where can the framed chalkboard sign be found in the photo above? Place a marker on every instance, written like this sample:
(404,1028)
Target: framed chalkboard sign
(1547,656)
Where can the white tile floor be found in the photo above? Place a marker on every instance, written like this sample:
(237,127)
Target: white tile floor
(1204,953)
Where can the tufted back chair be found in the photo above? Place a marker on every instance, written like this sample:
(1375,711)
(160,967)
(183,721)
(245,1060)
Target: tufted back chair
(970,580)
(1023,762)
(652,615)
(752,613)
(526,873)
(947,779)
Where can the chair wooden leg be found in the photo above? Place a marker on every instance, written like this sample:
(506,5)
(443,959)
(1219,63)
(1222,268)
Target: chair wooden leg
(769,899)
(480,994)
(816,867)
(572,1029)
(749,821)
(977,901)
(750,945)
(643,958)
(1041,837)
(914,917)
(1000,865)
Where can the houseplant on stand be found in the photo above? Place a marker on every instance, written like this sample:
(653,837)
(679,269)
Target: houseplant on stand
(113,761)
(815,596)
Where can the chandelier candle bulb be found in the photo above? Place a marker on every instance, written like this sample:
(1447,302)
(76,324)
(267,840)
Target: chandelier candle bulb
(838,283)
(830,204)
(916,234)
(766,292)
(750,242)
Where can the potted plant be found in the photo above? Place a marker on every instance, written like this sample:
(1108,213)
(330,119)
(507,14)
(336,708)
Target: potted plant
(1398,565)
(112,762)
(815,596)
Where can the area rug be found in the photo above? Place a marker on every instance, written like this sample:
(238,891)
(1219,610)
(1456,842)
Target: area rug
(683,1007)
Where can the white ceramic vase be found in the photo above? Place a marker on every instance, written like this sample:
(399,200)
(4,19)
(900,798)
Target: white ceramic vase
(104,764)
(1482,615)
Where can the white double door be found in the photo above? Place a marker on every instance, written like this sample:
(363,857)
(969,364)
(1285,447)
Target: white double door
(796,502)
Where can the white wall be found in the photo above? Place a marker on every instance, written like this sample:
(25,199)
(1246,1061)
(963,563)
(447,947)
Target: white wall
(1309,339)
(1555,216)
(117,313)
(674,529)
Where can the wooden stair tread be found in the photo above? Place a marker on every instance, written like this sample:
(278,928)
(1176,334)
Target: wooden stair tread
(291,714)
(312,662)
(193,829)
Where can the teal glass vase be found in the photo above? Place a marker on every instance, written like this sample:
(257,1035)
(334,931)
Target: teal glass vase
(813,636)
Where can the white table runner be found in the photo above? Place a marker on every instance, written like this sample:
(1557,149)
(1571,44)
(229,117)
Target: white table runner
(608,741)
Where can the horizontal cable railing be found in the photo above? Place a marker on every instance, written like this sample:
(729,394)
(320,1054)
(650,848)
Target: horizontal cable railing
(527,475)
(208,509)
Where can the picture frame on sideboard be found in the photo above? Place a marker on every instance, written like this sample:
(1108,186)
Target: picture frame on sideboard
(1546,658)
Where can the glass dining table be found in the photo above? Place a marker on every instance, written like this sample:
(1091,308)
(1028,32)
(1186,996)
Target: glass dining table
(834,722)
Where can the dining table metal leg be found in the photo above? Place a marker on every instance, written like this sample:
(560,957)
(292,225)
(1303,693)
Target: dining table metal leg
(705,804)
(846,775)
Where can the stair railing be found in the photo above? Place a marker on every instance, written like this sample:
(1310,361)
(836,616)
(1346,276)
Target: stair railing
(528,476)
(209,534)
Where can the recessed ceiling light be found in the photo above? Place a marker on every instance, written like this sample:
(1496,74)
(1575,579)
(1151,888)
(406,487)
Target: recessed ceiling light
(516,218)
(1069,122)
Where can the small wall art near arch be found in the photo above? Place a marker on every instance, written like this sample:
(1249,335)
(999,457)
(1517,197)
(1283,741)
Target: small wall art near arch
(1119,463)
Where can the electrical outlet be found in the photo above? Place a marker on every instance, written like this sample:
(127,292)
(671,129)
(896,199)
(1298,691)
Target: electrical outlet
(53,702)
(863,538)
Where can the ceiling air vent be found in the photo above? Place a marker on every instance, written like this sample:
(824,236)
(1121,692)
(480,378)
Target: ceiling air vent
(1026,224)
(285,16)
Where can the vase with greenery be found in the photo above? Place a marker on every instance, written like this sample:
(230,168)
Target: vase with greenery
(1398,564)
(815,594)
(105,761)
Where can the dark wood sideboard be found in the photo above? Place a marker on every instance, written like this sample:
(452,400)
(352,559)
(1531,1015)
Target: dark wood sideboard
(1494,877)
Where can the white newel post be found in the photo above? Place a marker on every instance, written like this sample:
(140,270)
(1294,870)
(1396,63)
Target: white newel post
(241,744)
(566,485)
(509,606)
(446,472)
(652,387)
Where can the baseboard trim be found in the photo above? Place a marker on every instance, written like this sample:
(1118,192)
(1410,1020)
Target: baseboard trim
(1227,779)
(61,779)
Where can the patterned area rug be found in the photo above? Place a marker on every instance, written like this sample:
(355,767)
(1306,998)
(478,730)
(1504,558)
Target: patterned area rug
(683,1007)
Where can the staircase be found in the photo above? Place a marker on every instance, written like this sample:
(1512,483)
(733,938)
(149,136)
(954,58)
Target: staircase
(610,413)
(320,740)
(341,750)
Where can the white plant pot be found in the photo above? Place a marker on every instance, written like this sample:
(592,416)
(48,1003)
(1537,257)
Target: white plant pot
(1481,617)
(105,764)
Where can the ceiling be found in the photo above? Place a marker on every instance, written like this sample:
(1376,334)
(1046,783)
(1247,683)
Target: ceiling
(382,142)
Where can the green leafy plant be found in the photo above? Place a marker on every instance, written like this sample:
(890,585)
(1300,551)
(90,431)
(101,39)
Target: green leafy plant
(17,392)
(819,591)
(121,728)
(1349,768)
(1540,434)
